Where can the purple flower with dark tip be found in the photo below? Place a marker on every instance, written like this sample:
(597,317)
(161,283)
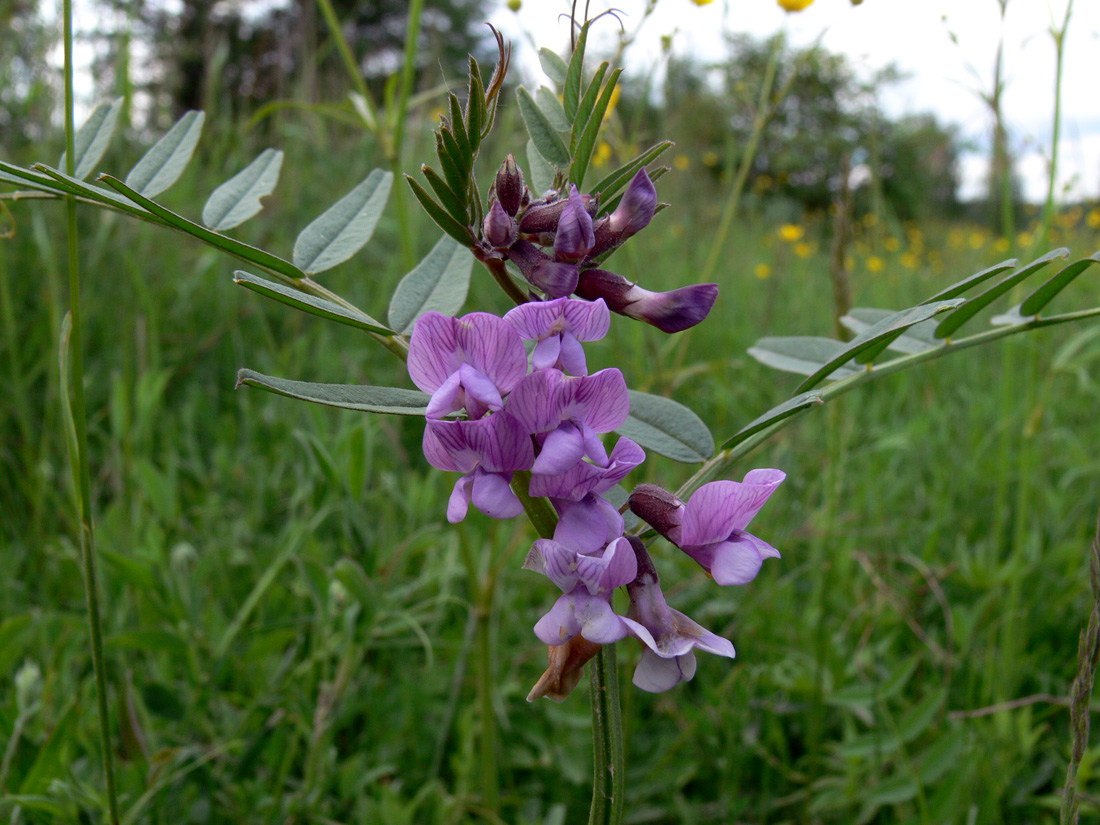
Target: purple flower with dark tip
(672,311)
(583,478)
(509,186)
(572,411)
(487,452)
(555,278)
(711,527)
(669,636)
(559,326)
(636,207)
(470,362)
(587,582)
(573,237)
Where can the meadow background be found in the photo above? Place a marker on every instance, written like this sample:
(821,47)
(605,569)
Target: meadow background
(292,632)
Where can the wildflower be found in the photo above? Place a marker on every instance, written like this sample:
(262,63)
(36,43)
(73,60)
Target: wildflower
(762,271)
(875,264)
(711,527)
(499,229)
(509,186)
(681,162)
(469,362)
(668,635)
(909,260)
(710,159)
(587,582)
(587,524)
(670,312)
(557,279)
(559,326)
(794,5)
(892,244)
(487,452)
(791,232)
(584,478)
(573,238)
(636,208)
(803,249)
(568,413)
(702,2)
(1093,219)
(603,151)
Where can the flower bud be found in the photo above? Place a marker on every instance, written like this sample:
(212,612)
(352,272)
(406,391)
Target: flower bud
(543,217)
(500,230)
(636,208)
(658,508)
(670,312)
(509,185)
(554,278)
(574,236)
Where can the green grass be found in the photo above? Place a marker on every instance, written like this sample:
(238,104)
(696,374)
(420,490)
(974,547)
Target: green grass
(288,615)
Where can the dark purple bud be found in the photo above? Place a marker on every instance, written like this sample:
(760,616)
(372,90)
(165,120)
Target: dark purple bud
(670,312)
(500,230)
(509,186)
(554,278)
(658,508)
(636,208)
(543,217)
(574,236)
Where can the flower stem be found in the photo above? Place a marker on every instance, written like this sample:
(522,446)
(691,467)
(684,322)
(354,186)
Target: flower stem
(608,769)
(79,456)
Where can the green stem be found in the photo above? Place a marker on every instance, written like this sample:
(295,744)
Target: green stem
(717,464)
(87,544)
(1060,52)
(608,768)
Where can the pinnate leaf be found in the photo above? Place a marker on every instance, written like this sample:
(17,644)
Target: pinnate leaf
(667,427)
(788,409)
(801,354)
(92,138)
(345,227)
(238,199)
(162,165)
(312,304)
(391,400)
(439,282)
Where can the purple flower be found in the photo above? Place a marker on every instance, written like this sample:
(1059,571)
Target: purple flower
(636,207)
(559,326)
(711,527)
(487,451)
(583,478)
(469,362)
(587,582)
(672,311)
(555,278)
(588,523)
(571,411)
(573,238)
(668,635)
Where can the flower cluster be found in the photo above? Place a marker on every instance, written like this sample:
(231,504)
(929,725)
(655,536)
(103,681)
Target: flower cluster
(557,242)
(494,412)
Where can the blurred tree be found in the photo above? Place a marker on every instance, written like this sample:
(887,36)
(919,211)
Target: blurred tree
(27,89)
(231,56)
(827,114)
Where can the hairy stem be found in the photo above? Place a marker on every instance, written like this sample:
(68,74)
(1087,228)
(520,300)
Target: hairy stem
(609,767)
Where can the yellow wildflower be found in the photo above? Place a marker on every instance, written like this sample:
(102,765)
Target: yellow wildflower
(710,159)
(762,271)
(870,219)
(602,155)
(892,244)
(1093,220)
(612,103)
(702,2)
(682,163)
(875,264)
(791,232)
(909,260)
(1024,240)
(803,249)
(976,240)
(1002,245)
(793,5)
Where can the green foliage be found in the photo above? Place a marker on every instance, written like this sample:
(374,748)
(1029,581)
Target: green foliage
(438,283)
(345,227)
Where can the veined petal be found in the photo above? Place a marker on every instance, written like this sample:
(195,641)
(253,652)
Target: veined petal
(500,443)
(493,347)
(559,563)
(615,568)
(537,319)
(433,351)
(546,353)
(702,638)
(720,507)
(587,525)
(555,278)
(537,401)
(584,478)
(588,320)
(601,400)
(447,398)
(560,624)
(446,448)
(572,354)
(734,562)
(599,623)
(481,393)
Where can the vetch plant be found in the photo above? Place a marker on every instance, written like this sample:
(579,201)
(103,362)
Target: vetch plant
(508,402)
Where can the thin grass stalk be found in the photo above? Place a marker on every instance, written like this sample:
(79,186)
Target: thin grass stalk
(408,75)
(609,763)
(1088,657)
(80,459)
(764,112)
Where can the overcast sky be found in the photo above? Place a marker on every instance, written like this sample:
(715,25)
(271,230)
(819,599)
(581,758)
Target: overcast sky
(945,74)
